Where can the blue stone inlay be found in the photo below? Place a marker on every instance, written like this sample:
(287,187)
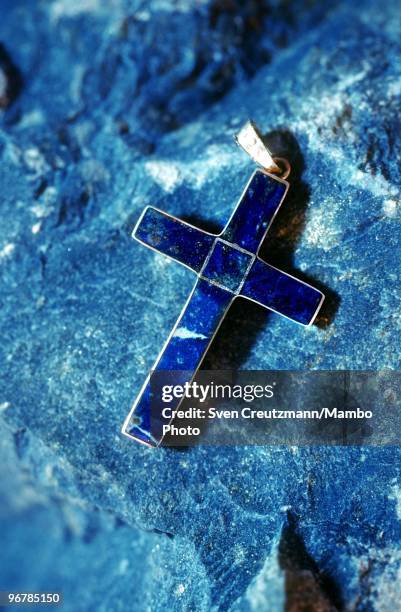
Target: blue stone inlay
(174,238)
(255,211)
(281,292)
(183,352)
(226,265)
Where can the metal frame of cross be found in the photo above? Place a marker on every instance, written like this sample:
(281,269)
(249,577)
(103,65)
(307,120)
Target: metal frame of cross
(227,266)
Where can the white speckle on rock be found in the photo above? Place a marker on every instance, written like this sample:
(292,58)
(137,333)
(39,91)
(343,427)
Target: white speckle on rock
(170,175)
(71,8)
(388,584)
(123,566)
(376,184)
(46,205)
(4,406)
(35,161)
(181,6)
(322,230)
(32,119)
(239,554)
(7,250)
(180,590)
(390,208)
(268,585)
(165,174)
(94,172)
(186,334)
(162,261)
(396,496)
(36,227)
(142,15)
(13,153)
(49,473)
(394,88)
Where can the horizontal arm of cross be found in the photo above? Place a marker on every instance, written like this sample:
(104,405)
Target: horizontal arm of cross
(174,238)
(282,293)
(220,262)
(245,229)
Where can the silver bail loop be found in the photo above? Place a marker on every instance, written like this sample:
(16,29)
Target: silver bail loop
(250,139)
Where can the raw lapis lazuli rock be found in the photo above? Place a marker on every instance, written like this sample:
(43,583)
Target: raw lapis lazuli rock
(227,266)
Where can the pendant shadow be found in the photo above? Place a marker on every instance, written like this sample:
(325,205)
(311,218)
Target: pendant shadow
(245,319)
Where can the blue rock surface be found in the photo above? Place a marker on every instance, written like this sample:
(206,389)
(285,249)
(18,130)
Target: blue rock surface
(130,103)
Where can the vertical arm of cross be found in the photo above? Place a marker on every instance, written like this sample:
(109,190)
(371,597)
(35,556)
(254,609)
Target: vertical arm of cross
(255,211)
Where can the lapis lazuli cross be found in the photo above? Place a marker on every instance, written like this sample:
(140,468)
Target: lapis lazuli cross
(227,267)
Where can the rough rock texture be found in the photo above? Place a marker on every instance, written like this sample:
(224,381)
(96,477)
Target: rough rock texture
(122,104)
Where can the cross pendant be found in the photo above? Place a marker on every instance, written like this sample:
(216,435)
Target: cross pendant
(227,266)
